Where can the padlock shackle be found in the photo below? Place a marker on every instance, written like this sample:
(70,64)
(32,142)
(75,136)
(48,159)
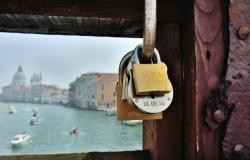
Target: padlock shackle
(155,54)
(149,30)
(122,66)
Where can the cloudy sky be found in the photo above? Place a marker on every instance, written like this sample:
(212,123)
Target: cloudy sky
(60,58)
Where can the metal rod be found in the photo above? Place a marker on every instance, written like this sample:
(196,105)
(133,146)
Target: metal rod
(149,29)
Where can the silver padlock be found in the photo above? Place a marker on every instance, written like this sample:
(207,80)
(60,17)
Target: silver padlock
(146,104)
(123,79)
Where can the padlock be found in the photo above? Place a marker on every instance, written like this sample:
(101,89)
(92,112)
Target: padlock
(124,110)
(147,104)
(150,79)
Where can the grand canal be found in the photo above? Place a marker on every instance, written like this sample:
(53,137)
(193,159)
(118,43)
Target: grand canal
(98,132)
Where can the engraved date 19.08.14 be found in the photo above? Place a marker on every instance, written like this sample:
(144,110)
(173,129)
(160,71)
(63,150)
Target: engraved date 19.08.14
(153,103)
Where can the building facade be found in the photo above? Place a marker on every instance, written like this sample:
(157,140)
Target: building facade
(93,91)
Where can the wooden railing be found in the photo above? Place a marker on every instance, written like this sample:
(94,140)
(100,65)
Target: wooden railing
(125,155)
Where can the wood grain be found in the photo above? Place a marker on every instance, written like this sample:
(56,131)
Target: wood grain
(128,9)
(117,18)
(115,27)
(210,58)
(129,155)
(189,83)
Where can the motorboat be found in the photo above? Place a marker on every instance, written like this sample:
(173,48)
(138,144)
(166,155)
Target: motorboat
(34,120)
(12,110)
(74,130)
(20,139)
(35,113)
(132,122)
(111,112)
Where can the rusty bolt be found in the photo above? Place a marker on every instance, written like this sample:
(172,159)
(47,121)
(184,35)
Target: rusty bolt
(238,149)
(218,116)
(243,33)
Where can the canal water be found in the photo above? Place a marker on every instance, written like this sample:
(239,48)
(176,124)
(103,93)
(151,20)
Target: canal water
(98,132)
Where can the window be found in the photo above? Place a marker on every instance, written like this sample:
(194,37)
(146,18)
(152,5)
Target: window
(57,75)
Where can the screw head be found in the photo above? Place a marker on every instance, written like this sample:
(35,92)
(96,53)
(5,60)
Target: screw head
(243,33)
(218,116)
(238,149)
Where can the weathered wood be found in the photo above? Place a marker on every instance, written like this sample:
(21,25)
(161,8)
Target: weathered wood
(129,155)
(70,25)
(189,83)
(210,58)
(128,9)
(118,18)
(165,137)
(236,143)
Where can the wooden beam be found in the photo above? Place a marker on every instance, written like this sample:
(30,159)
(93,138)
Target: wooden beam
(129,155)
(129,9)
(116,18)
(65,25)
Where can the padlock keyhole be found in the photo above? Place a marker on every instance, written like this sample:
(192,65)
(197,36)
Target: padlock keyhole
(153,95)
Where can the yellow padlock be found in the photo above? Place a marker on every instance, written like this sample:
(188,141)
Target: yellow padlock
(124,110)
(150,79)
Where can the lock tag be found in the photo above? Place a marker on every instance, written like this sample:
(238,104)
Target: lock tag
(127,112)
(150,78)
(148,104)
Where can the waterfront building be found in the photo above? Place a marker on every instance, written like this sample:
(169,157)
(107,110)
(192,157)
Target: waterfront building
(105,90)
(45,94)
(82,92)
(36,79)
(21,90)
(93,91)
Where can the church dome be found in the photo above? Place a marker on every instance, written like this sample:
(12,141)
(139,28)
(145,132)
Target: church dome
(19,78)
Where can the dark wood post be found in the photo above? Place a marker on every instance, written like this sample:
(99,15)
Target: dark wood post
(165,137)
(210,59)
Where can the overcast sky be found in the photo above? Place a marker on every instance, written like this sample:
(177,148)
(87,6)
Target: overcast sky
(60,58)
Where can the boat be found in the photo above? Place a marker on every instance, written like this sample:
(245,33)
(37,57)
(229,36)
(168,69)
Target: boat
(20,139)
(34,120)
(111,112)
(74,130)
(35,113)
(12,110)
(132,122)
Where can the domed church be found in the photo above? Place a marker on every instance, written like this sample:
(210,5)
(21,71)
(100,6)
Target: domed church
(20,79)
(19,88)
